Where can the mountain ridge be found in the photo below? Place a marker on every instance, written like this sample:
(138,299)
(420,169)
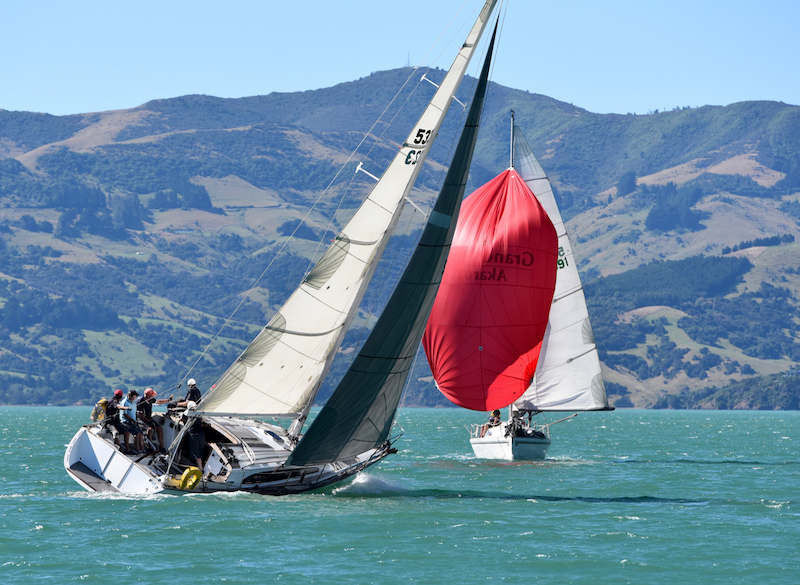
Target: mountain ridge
(199,189)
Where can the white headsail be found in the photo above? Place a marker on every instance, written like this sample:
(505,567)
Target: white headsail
(280,372)
(568,375)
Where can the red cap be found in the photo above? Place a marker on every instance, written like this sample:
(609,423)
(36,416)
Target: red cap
(117,392)
(149,392)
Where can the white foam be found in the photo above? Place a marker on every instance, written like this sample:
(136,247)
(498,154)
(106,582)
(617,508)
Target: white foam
(367,484)
(117,496)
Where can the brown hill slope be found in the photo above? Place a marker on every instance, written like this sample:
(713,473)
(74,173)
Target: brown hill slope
(177,206)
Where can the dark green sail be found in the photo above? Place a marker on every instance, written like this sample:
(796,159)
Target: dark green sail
(359,414)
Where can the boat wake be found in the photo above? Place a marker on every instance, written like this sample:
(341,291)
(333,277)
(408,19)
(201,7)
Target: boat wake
(118,496)
(373,486)
(365,484)
(734,462)
(567,460)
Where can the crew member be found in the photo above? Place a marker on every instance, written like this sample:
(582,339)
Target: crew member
(144,409)
(192,394)
(197,438)
(112,416)
(494,420)
(128,408)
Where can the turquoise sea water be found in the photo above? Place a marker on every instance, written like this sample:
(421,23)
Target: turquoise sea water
(625,497)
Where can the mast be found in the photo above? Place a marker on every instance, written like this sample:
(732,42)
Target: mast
(511,146)
(360,413)
(281,371)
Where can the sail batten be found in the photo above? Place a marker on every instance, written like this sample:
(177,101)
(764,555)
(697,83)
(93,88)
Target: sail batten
(328,300)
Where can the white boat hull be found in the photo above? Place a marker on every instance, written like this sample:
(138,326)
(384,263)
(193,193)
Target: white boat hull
(495,445)
(98,466)
(252,460)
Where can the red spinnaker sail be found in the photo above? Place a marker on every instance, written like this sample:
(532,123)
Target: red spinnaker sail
(486,328)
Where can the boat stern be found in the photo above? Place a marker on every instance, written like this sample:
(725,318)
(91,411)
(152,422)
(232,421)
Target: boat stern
(495,444)
(97,466)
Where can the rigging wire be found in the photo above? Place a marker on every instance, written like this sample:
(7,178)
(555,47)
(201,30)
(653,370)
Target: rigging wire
(302,222)
(386,266)
(377,141)
(246,296)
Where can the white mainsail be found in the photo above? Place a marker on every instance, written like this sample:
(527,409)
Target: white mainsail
(280,372)
(360,413)
(568,375)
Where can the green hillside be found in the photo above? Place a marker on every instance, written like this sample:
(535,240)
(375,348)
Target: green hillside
(128,237)
(775,392)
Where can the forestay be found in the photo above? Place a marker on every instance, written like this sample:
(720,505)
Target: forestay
(280,372)
(568,375)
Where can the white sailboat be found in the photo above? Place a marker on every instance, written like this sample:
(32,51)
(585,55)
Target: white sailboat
(568,377)
(277,377)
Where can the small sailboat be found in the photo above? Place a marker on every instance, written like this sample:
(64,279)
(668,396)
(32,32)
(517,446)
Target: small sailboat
(277,377)
(565,375)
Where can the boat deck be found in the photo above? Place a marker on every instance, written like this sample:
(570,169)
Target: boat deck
(91,479)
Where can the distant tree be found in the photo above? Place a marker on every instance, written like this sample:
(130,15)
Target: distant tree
(181,193)
(791,208)
(626,183)
(29,224)
(71,193)
(303,232)
(65,227)
(564,200)
(230,242)
(613,389)
(673,208)
(99,223)
(127,212)
(195,197)
(792,178)
(191,195)
(164,199)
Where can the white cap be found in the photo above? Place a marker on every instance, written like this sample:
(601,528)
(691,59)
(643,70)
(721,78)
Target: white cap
(191,382)
(191,405)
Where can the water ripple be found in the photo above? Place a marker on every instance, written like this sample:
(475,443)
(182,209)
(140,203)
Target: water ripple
(747,463)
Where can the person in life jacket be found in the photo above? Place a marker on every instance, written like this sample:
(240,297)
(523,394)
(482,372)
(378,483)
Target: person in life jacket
(192,394)
(494,420)
(197,438)
(128,417)
(112,416)
(99,410)
(144,409)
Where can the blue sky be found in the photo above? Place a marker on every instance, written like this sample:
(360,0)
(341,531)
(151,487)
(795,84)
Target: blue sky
(616,56)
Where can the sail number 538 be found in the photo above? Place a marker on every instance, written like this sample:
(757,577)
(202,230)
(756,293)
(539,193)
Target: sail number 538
(420,139)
